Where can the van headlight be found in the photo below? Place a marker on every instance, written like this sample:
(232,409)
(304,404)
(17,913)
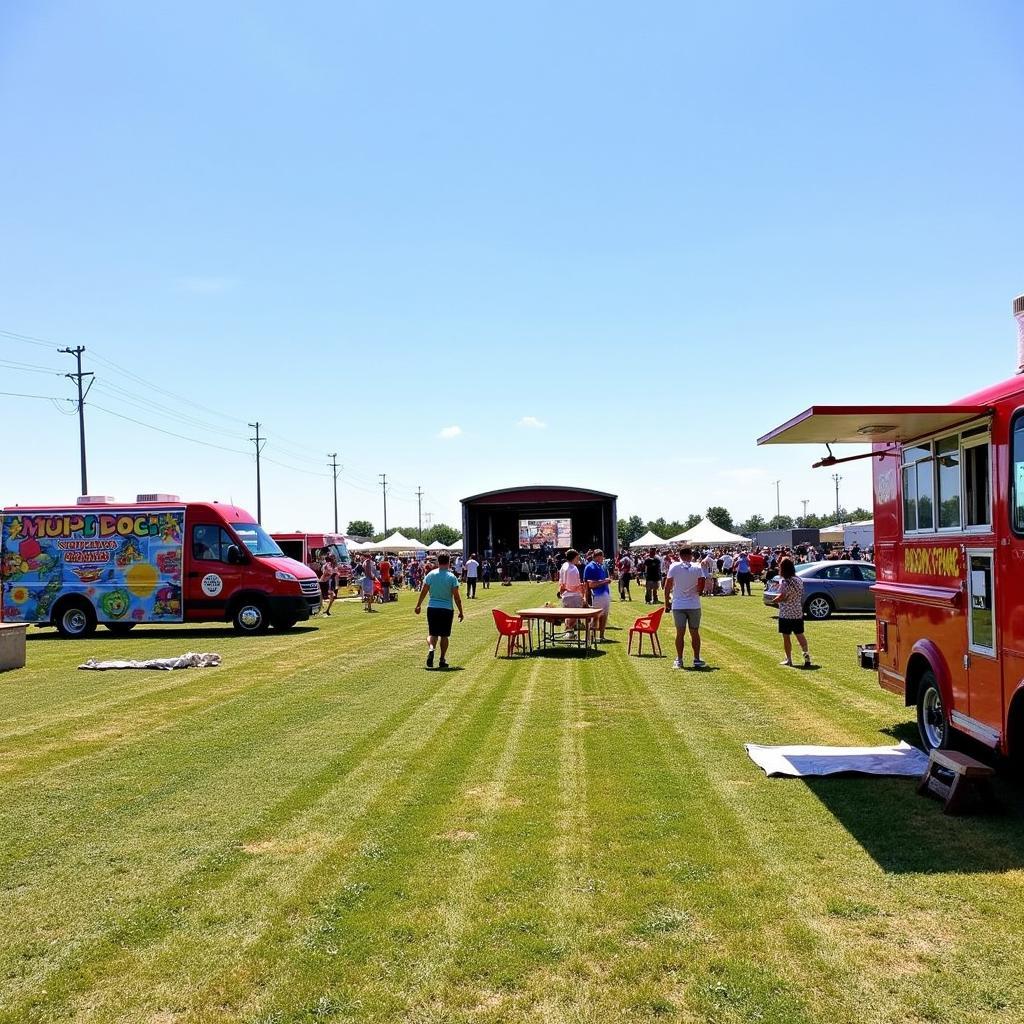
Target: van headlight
(282,575)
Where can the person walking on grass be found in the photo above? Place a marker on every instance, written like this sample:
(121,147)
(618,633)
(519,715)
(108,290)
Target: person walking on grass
(472,572)
(369,573)
(790,602)
(684,585)
(442,587)
(329,582)
(595,578)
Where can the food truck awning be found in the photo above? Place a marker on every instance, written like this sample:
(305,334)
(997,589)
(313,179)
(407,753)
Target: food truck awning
(865,424)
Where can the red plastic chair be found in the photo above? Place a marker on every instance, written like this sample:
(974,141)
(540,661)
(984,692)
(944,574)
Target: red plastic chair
(512,629)
(647,625)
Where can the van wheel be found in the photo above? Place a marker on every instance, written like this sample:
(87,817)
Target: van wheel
(931,713)
(282,625)
(75,618)
(120,628)
(251,618)
(818,607)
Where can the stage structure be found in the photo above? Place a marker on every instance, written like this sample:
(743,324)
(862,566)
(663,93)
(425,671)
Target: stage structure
(539,519)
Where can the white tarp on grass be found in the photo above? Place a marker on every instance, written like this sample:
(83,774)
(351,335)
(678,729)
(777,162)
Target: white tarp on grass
(190,660)
(799,761)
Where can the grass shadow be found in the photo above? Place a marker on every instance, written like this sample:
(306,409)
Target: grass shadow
(567,652)
(905,833)
(162,632)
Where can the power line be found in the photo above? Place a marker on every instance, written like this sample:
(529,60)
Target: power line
(169,433)
(21,394)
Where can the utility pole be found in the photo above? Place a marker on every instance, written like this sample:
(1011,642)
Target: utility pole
(260,442)
(837,478)
(419,502)
(333,456)
(778,503)
(805,502)
(77,378)
(384,491)
(430,519)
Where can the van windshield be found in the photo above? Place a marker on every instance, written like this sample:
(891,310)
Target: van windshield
(257,540)
(340,552)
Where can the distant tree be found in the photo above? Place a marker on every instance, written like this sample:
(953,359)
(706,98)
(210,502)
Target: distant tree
(858,515)
(441,531)
(780,523)
(360,528)
(754,524)
(630,529)
(720,517)
(691,521)
(660,527)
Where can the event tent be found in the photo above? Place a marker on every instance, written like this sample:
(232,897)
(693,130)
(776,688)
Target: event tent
(649,540)
(706,532)
(396,542)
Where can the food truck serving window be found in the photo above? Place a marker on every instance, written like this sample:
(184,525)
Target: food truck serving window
(1017,473)
(946,483)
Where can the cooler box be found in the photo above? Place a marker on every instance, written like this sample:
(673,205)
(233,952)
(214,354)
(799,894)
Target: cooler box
(725,584)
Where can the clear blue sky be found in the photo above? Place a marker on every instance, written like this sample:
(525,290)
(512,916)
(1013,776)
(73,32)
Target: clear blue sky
(662,227)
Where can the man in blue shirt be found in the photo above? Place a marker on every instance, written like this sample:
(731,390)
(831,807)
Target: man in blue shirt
(443,587)
(595,579)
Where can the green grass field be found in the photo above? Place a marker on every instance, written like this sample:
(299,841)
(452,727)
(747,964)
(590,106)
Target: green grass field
(322,830)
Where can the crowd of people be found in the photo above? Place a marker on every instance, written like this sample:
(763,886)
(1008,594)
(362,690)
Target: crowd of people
(679,578)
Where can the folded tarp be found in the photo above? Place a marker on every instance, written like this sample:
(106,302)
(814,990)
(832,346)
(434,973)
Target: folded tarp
(800,761)
(190,660)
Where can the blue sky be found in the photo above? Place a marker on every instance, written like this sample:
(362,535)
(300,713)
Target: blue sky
(610,245)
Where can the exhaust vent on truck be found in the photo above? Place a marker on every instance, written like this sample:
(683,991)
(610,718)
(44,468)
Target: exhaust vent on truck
(1018,312)
(162,498)
(96,499)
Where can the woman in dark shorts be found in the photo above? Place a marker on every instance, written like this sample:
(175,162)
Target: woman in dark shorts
(790,601)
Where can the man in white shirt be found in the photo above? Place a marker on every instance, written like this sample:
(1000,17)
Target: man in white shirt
(683,587)
(727,561)
(472,572)
(570,587)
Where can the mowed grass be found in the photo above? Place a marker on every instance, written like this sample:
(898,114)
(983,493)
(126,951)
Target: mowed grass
(322,830)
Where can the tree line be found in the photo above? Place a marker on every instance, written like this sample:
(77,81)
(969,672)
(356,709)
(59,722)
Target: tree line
(439,531)
(634,527)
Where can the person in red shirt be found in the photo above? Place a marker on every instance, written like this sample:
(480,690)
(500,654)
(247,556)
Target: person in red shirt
(385,579)
(756,560)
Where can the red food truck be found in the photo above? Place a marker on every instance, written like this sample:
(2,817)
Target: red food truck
(949,550)
(156,560)
(309,548)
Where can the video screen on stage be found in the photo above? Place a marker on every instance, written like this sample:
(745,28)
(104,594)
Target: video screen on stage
(547,534)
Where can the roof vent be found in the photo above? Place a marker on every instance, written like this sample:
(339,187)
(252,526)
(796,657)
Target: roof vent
(162,498)
(1018,312)
(96,499)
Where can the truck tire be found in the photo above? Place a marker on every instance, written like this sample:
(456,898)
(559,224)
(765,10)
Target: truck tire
(283,623)
(932,725)
(819,607)
(74,618)
(251,617)
(120,628)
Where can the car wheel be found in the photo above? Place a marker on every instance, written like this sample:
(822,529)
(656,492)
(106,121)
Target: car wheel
(818,607)
(931,714)
(120,628)
(75,619)
(251,618)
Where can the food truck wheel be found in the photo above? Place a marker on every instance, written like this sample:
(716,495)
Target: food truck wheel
(251,617)
(75,618)
(283,623)
(120,628)
(931,715)
(819,607)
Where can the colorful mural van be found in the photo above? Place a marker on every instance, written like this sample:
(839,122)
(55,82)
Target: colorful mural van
(126,563)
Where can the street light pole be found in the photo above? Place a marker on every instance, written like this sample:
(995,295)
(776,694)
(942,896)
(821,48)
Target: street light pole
(778,503)
(836,477)
(384,491)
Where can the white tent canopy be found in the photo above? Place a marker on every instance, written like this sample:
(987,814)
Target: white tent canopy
(706,532)
(396,542)
(649,540)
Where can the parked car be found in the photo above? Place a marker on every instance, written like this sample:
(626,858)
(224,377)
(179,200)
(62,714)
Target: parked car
(831,587)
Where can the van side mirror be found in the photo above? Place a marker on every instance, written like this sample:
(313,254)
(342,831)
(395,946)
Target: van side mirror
(234,555)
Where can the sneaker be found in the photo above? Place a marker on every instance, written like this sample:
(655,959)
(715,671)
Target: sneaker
(786,664)
(430,659)
(699,663)
(443,664)
(807,661)
(677,663)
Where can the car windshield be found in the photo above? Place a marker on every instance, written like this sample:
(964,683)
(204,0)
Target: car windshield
(257,540)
